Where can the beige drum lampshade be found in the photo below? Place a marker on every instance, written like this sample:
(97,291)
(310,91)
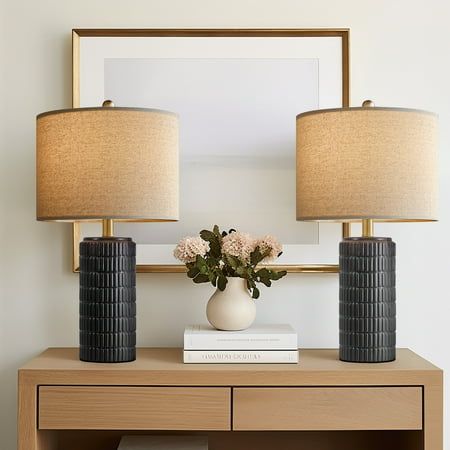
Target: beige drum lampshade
(367,163)
(107,163)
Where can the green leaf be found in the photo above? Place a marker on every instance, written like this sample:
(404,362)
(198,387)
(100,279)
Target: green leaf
(276,275)
(216,231)
(215,249)
(240,270)
(233,261)
(201,278)
(212,262)
(222,282)
(200,261)
(207,235)
(193,272)
(263,273)
(214,243)
(255,293)
(212,278)
(266,281)
(256,256)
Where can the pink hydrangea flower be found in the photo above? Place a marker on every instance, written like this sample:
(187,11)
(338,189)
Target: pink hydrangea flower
(238,244)
(269,246)
(189,247)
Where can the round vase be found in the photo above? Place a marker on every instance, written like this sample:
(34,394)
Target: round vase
(232,309)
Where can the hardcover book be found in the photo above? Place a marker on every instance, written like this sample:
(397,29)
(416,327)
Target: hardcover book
(257,337)
(241,356)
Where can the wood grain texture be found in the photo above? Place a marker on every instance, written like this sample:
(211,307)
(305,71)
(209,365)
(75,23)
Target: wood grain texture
(27,415)
(164,367)
(28,436)
(133,408)
(390,408)
(433,415)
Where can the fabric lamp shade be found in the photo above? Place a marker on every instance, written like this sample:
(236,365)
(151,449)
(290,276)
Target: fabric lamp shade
(367,163)
(107,163)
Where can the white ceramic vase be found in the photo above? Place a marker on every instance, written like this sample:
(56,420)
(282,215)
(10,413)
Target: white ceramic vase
(232,309)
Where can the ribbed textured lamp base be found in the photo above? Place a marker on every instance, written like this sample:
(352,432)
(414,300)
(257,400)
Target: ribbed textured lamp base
(367,300)
(107,300)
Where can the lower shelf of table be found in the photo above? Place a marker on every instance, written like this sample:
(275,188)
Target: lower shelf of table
(246,440)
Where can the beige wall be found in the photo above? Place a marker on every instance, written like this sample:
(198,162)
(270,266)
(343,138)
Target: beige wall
(400,56)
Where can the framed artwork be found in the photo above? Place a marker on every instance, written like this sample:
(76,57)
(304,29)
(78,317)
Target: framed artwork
(237,93)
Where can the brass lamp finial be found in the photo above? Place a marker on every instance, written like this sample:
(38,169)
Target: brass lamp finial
(108,104)
(366,104)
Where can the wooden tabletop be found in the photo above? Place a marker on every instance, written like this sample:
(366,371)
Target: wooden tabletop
(164,366)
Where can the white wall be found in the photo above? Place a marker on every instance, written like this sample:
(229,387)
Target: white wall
(399,56)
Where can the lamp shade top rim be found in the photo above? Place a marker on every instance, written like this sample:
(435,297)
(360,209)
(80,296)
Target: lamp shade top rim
(105,109)
(96,218)
(365,109)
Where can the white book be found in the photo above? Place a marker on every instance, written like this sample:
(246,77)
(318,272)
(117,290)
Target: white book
(257,337)
(240,356)
(163,443)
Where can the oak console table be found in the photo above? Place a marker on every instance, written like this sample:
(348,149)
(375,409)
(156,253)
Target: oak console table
(319,404)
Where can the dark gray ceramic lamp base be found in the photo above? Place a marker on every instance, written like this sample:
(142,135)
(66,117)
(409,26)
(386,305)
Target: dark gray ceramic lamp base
(107,300)
(367,300)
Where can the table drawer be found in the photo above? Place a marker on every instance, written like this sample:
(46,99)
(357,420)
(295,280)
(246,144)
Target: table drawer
(327,408)
(134,408)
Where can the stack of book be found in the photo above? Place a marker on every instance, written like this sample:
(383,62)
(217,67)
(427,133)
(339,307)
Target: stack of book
(262,344)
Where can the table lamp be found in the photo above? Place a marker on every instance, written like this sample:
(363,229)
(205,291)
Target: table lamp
(367,164)
(110,164)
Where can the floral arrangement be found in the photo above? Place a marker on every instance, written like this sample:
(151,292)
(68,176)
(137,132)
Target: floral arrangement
(213,256)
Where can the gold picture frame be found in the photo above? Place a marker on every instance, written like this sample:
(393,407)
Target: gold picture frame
(77,34)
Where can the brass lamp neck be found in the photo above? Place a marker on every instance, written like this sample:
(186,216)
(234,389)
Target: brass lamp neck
(367,228)
(367,224)
(108,228)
